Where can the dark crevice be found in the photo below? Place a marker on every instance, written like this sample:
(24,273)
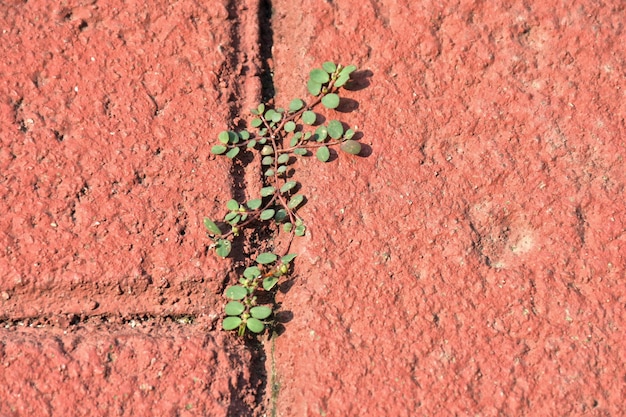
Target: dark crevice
(237,168)
(249,242)
(581,224)
(72,320)
(266,39)
(265,234)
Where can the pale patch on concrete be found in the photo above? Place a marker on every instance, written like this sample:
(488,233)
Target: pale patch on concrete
(524,243)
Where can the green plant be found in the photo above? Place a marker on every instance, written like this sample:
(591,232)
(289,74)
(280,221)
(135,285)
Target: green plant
(280,135)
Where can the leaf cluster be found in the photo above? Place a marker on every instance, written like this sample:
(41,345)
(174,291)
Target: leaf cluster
(242,312)
(280,135)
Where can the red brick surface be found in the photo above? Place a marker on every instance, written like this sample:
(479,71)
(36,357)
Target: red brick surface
(143,370)
(473,264)
(107,113)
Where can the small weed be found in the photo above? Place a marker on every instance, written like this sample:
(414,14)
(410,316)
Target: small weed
(280,136)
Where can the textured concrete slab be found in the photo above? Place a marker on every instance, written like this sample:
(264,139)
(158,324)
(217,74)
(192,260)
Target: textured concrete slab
(473,263)
(148,369)
(109,296)
(106,112)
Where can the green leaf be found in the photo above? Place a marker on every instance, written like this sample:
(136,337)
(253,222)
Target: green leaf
(322,133)
(267,214)
(295,201)
(323,153)
(269,173)
(283,158)
(254,204)
(267,191)
(260,312)
(233,152)
(231,323)
(266,258)
(295,105)
(335,129)
(349,134)
(329,67)
(289,126)
(280,215)
(347,70)
(234,308)
(314,87)
(351,146)
(287,227)
(218,149)
(233,137)
(342,80)
(300,151)
(255,325)
(223,137)
(300,230)
(288,258)
(236,292)
(309,117)
(212,227)
(288,186)
(233,217)
(244,134)
(256,122)
(260,108)
(251,272)
(251,144)
(268,160)
(269,282)
(319,76)
(273,115)
(232,205)
(330,101)
(222,248)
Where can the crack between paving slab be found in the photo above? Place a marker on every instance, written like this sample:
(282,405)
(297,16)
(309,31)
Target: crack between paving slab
(71,320)
(268,91)
(250,78)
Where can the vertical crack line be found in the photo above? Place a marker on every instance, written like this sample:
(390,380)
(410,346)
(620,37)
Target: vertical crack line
(264,36)
(266,40)
(237,72)
(249,77)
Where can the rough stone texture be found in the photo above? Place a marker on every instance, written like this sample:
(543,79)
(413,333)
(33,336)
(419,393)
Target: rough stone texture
(105,116)
(470,262)
(107,113)
(147,370)
(473,262)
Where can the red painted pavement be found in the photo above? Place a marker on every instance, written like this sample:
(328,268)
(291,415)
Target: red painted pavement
(471,262)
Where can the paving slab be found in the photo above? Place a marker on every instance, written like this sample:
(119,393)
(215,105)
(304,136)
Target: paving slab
(106,172)
(471,262)
(150,369)
(108,290)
